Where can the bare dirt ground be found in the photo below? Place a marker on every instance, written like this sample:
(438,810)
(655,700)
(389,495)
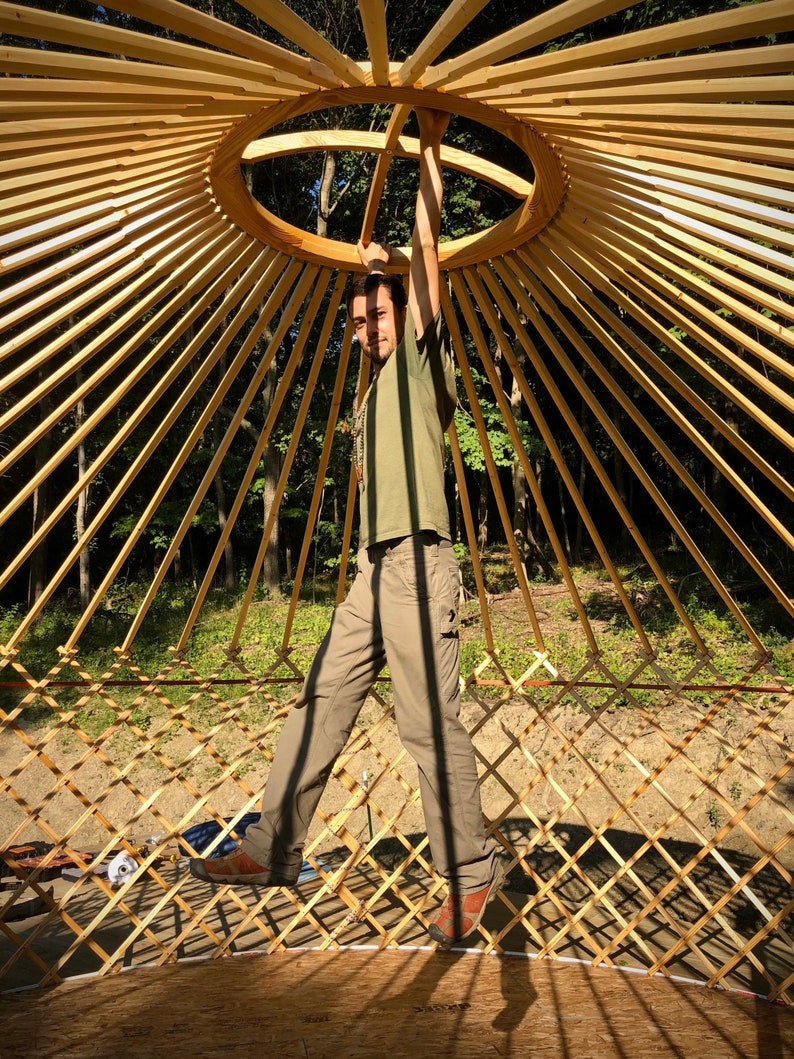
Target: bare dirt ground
(644,764)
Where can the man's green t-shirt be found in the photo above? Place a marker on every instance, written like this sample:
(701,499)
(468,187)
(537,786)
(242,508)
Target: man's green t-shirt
(399,439)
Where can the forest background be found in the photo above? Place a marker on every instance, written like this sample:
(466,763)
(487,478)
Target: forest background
(327,192)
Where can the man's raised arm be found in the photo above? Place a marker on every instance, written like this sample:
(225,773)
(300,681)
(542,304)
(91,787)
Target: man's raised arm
(423,289)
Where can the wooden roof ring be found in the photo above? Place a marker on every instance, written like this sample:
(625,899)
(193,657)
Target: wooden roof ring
(539,201)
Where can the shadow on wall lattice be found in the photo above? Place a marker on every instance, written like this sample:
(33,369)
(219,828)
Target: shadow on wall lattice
(641,288)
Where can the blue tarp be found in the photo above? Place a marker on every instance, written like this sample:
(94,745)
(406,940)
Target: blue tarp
(201,835)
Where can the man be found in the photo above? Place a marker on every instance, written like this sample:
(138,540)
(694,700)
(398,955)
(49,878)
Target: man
(402,607)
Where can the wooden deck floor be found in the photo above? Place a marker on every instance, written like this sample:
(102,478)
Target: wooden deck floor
(365,1004)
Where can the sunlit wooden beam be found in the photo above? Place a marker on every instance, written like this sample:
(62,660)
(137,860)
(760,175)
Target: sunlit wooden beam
(670,94)
(559,19)
(642,77)
(292,26)
(373,19)
(197,25)
(281,66)
(749,21)
(456,17)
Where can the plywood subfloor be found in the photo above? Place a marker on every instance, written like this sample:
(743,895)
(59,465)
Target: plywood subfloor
(367,1004)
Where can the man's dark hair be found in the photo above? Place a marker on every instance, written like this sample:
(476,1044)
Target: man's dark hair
(373,280)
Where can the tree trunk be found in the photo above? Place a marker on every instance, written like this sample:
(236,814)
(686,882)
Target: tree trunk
(220,500)
(37,578)
(324,193)
(523,533)
(80,516)
(578,547)
(619,468)
(482,511)
(519,479)
(718,547)
(271,459)
(228,548)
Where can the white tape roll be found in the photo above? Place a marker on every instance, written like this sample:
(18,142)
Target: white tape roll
(121,868)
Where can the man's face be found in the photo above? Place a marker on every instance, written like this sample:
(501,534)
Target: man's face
(379,327)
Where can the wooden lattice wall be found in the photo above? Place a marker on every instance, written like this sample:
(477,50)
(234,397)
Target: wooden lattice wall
(644,806)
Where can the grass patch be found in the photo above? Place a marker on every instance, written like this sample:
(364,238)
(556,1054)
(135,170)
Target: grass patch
(564,638)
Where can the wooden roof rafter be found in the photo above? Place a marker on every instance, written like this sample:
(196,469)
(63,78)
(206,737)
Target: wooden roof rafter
(106,40)
(528,261)
(135,166)
(726,269)
(694,170)
(572,292)
(312,307)
(663,277)
(475,330)
(289,293)
(605,277)
(110,71)
(651,76)
(755,223)
(397,121)
(285,21)
(96,96)
(456,17)
(705,31)
(42,215)
(177,249)
(563,18)
(689,280)
(46,232)
(708,90)
(373,20)
(47,134)
(466,292)
(753,145)
(230,283)
(252,293)
(197,25)
(501,279)
(105,150)
(737,116)
(707,414)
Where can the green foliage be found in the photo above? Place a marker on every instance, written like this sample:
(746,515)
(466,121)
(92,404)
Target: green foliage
(263,633)
(499,439)
(95,718)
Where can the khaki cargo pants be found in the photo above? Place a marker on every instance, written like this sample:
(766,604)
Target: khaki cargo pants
(402,610)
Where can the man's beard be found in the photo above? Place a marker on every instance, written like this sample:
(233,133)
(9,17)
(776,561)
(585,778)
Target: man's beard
(381,353)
